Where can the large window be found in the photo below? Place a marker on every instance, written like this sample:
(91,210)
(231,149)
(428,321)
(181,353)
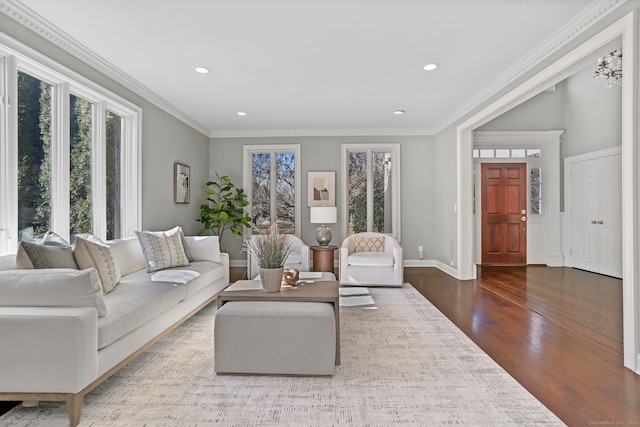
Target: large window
(69,146)
(34,157)
(272,183)
(371,192)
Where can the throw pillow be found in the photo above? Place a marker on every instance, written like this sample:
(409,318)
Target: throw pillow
(22,259)
(47,256)
(93,252)
(53,238)
(56,287)
(369,244)
(162,249)
(50,238)
(203,248)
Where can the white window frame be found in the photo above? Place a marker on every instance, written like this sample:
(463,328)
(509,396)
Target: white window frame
(247,152)
(396,220)
(16,57)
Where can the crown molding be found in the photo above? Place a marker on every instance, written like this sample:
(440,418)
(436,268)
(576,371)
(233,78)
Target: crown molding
(593,14)
(264,133)
(53,34)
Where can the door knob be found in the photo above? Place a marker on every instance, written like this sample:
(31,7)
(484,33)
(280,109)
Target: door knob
(523,219)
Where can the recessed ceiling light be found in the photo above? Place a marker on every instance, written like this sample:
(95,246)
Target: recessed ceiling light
(241,113)
(398,112)
(430,67)
(202,70)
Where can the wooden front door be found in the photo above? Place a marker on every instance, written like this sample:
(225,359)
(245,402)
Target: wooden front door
(504,213)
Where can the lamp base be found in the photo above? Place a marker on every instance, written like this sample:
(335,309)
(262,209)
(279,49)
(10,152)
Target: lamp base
(323,235)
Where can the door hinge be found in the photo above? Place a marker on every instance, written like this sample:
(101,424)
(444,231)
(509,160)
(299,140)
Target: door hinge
(4,100)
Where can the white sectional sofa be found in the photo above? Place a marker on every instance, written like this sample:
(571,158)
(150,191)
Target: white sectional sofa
(61,336)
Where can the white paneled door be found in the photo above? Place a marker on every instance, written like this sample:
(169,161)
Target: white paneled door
(594,207)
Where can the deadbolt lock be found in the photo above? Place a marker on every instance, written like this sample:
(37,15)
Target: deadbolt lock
(524,211)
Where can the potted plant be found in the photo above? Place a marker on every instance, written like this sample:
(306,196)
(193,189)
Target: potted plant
(270,251)
(224,208)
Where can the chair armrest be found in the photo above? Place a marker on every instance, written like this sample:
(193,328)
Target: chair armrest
(304,255)
(397,257)
(48,349)
(224,260)
(343,257)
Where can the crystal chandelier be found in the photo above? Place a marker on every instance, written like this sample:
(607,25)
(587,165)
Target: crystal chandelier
(609,71)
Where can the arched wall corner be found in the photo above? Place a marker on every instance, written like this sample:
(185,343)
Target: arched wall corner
(626,28)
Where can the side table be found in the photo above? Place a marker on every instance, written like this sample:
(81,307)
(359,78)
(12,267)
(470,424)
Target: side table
(323,258)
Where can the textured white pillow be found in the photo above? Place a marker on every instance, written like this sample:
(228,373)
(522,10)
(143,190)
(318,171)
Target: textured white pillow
(55,287)
(92,252)
(203,248)
(162,249)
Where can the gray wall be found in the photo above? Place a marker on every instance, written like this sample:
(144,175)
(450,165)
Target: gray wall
(165,140)
(324,153)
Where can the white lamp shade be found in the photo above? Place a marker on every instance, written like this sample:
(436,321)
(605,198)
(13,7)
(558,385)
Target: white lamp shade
(324,215)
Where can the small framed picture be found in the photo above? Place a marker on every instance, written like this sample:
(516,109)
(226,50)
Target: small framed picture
(322,189)
(181,183)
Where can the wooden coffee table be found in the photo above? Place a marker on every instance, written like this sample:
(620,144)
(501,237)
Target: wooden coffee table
(321,291)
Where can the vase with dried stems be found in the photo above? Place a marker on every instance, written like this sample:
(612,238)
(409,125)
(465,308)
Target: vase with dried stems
(270,251)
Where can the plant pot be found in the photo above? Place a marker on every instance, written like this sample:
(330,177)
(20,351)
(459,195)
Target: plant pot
(271,279)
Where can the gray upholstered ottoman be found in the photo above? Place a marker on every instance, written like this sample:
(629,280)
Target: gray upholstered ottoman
(275,337)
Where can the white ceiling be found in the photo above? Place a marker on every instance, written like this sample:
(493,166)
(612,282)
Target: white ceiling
(312,66)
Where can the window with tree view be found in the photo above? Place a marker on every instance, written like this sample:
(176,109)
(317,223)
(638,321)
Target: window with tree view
(371,191)
(114,148)
(34,156)
(274,187)
(69,148)
(80,166)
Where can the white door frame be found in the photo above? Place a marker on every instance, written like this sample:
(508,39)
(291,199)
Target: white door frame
(624,30)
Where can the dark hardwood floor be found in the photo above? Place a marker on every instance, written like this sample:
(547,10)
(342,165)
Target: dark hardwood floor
(557,331)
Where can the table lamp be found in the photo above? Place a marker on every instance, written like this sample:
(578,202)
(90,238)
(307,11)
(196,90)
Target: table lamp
(323,215)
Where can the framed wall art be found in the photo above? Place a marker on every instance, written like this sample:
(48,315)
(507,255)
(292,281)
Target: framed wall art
(322,188)
(181,183)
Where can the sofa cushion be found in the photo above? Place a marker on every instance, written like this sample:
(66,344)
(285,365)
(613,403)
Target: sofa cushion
(372,259)
(7,262)
(369,244)
(89,252)
(128,254)
(202,248)
(56,287)
(162,249)
(136,300)
(45,256)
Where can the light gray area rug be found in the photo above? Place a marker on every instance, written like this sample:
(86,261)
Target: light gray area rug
(402,364)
